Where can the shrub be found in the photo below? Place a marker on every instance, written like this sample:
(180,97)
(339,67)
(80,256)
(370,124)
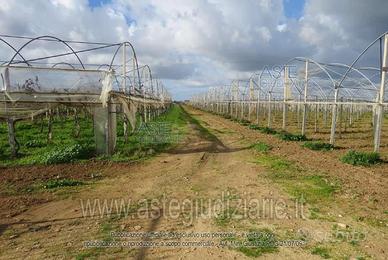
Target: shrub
(318,146)
(67,154)
(34,143)
(52,184)
(244,122)
(268,130)
(361,158)
(285,136)
(253,126)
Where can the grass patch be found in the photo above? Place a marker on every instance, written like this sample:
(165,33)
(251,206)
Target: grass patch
(67,154)
(34,143)
(361,158)
(151,138)
(261,147)
(321,251)
(313,188)
(256,243)
(65,147)
(373,221)
(53,184)
(32,137)
(318,146)
(225,217)
(285,136)
(276,164)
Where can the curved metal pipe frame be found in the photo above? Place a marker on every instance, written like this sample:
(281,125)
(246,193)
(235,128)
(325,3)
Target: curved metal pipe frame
(43,37)
(134,56)
(359,56)
(13,48)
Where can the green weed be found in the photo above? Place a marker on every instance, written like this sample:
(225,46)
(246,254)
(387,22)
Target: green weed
(225,217)
(285,136)
(361,158)
(321,251)
(67,154)
(258,242)
(313,188)
(268,130)
(52,184)
(261,147)
(318,146)
(34,143)
(254,127)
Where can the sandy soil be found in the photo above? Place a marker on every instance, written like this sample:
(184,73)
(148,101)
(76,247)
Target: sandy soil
(52,224)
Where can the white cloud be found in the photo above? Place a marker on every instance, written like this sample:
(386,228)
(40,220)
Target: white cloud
(339,30)
(281,27)
(203,42)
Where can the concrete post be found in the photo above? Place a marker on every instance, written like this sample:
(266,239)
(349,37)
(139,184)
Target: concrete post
(258,106)
(269,109)
(304,118)
(285,96)
(316,115)
(124,81)
(242,110)
(334,116)
(12,137)
(380,108)
(105,128)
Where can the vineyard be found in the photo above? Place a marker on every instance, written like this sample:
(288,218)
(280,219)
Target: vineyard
(98,161)
(95,95)
(342,105)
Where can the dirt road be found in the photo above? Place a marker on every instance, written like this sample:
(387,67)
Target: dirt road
(215,162)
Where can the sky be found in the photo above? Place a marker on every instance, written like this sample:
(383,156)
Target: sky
(192,45)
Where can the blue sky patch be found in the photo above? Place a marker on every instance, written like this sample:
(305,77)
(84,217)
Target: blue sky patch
(293,8)
(98,3)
